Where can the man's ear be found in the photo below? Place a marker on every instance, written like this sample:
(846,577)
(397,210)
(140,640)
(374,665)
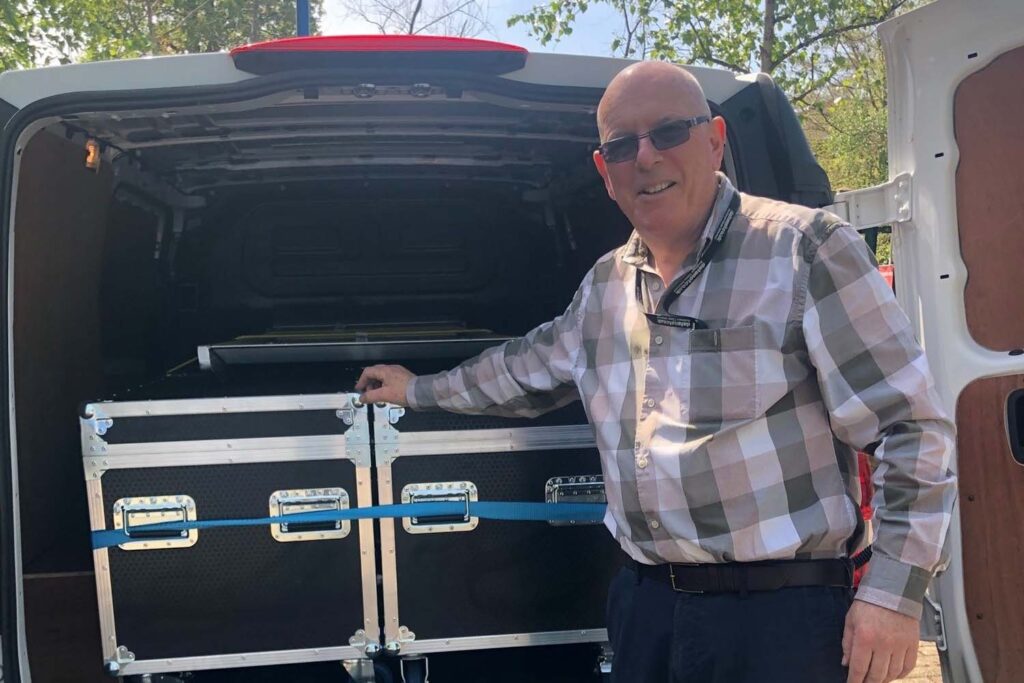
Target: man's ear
(717,139)
(602,168)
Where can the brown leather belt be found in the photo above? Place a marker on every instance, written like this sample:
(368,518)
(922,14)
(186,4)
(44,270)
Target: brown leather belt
(743,577)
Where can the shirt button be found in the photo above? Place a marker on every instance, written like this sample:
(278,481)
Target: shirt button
(656,286)
(641,463)
(650,403)
(658,339)
(655,524)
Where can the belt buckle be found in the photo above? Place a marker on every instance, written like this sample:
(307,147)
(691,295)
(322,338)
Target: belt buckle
(672,577)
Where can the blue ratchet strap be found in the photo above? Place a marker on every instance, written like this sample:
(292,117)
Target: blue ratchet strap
(518,511)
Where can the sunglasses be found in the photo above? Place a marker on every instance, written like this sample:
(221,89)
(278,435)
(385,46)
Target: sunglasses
(665,136)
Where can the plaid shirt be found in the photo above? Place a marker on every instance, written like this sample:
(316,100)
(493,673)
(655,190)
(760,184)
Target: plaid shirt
(738,442)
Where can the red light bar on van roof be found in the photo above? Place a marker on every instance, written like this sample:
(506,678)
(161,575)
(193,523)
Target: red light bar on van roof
(380,52)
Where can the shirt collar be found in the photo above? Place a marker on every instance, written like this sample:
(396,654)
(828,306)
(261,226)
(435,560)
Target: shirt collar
(636,253)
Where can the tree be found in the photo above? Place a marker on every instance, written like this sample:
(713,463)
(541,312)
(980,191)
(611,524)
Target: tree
(34,32)
(465,18)
(795,41)
(846,122)
(15,46)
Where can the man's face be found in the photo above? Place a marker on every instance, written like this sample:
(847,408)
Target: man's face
(665,194)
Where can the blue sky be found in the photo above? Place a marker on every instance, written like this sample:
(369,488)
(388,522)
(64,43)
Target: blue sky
(592,34)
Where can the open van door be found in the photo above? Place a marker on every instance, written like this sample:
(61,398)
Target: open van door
(956,156)
(11,623)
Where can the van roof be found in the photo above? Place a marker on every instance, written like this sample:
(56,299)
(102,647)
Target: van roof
(21,88)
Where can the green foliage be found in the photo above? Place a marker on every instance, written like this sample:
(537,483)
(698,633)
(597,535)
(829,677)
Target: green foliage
(846,122)
(15,45)
(31,31)
(796,41)
(34,32)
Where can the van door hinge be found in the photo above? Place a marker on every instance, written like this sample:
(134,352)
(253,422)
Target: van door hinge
(933,626)
(870,207)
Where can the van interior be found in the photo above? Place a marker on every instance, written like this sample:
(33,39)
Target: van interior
(340,213)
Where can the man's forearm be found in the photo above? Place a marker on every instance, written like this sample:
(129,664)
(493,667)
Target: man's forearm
(916,489)
(484,385)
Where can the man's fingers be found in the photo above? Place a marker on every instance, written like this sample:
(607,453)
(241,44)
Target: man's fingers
(909,662)
(384,384)
(370,374)
(374,395)
(879,670)
(847,640)
(860,661)
(896,666)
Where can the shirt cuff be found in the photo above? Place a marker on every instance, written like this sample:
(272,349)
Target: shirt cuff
(419,394)
(894,585)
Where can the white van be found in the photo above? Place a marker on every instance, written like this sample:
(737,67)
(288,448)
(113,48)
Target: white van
(194,247)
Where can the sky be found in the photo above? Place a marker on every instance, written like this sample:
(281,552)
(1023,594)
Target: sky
(592,33)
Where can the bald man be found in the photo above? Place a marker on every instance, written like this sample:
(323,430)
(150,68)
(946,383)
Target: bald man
(732,356)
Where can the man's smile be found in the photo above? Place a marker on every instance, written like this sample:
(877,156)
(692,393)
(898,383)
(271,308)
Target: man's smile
(657,188)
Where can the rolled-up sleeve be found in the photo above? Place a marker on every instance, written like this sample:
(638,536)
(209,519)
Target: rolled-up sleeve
(524,377)
(877,387)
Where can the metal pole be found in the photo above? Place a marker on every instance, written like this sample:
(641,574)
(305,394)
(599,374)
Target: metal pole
(302,17)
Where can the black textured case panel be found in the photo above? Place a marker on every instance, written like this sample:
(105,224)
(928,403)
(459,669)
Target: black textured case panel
(237,589)
(254,380)
(441,420)
(502,577)
(249,425)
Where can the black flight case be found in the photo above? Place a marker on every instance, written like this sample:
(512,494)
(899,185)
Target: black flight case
(351,591)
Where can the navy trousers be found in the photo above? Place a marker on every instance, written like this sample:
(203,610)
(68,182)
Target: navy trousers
(792,635)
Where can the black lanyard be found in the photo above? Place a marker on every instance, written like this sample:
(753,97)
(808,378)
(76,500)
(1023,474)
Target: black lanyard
(680,284)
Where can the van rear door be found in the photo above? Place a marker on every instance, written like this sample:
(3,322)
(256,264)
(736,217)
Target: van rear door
(956,147)
(11,633)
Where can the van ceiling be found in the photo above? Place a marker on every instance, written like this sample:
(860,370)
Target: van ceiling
(362,132)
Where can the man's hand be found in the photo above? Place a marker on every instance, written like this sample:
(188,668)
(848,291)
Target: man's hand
(384,383)
(879,644)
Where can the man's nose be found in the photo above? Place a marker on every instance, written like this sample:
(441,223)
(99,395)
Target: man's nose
(647,154)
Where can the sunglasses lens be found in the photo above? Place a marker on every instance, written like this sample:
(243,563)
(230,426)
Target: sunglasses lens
(622,149)
(670,135)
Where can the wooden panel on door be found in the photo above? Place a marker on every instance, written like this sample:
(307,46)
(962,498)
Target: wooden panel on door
(992,521)
(988,114)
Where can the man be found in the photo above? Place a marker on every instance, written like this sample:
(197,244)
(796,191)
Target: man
(732,356)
